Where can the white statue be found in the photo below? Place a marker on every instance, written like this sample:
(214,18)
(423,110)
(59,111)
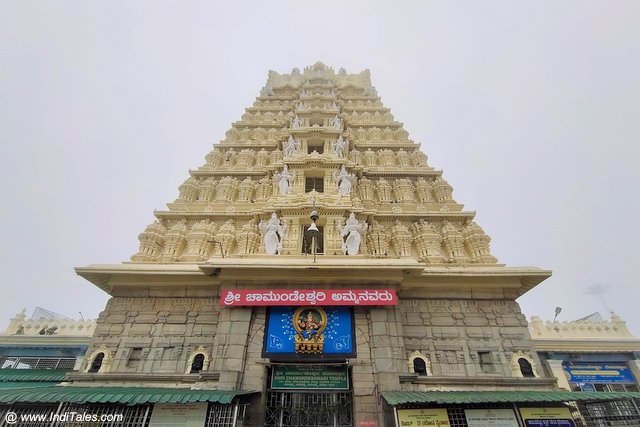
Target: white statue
(345,181)
(303,92)
(273,234)
(290,147)
(351,235)
(332,92)
(267,90)
(336,122)
(284,180)
(333,106)
(340,147)
(300,106)
(296,122)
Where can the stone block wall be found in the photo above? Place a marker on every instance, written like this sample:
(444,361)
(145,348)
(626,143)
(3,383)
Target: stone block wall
(155,335)
(452,333)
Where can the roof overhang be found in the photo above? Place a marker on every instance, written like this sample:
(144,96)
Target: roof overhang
(408,276)
(122,395)
(481,396)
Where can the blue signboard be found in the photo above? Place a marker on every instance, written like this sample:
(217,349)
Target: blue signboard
(309,331)
(599,373)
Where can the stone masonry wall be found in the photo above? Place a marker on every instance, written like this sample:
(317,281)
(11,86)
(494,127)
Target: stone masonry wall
(451,333)
(166,330)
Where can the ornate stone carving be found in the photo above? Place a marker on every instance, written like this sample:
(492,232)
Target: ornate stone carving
(189,190)
(383,188)
(442,190)
(248,239)
(344,181)
(151,243)
(174,242)
(477,244)
(273,232)
(351,235)
(427,241)
(401,239)
(340,147)
(199,239)
(377,240)
(290,147)
(284,180)
(225,238)
(453,242)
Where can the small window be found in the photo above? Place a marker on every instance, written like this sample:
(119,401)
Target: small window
(96,364)
(134,357)
(198,363)
(307,241)
(525,368)
(486,362)
(319,148)
(314,183)
(419,366)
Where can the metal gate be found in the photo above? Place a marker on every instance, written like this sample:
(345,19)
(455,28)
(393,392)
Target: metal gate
(309,409)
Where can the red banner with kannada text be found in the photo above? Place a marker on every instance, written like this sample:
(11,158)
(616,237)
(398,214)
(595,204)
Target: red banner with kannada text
(272,297)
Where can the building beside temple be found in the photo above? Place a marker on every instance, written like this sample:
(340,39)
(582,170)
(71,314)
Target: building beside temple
(314,271)
(39,351)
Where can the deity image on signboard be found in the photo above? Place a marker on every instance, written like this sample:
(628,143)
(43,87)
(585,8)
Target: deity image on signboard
(309,331)
(309,323)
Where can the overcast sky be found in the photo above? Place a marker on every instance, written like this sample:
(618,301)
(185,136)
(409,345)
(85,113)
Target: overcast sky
(531,109)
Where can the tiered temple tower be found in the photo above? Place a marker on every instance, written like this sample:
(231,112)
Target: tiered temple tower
(315,258)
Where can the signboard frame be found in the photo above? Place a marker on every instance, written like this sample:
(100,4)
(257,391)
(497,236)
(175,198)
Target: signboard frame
(294,377)
(292,356)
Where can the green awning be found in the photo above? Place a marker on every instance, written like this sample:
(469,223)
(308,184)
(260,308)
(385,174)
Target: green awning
(452,397)
(124,395)
(32,375)
(5,385)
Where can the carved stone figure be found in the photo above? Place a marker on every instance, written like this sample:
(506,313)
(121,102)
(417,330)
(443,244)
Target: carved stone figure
(290,147)
(340,147)
(335,122)
(370,91)
(284,180)
(300,106)
(296,122)
(401,238)
(267,90)
(344,180)
(351,234)
(273,234)
(248,239)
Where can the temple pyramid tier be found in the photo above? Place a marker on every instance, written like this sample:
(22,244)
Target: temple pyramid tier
(312,271)
(323,141)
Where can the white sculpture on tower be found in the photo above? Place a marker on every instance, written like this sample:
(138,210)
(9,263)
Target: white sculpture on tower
(296,122)
(351,235)
(273,234)
(335,122)
(340,147)
(290,147)
(284,180)
(300,106)
(345,181)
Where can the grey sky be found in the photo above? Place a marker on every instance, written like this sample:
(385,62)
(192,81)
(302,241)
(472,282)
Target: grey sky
(531,109)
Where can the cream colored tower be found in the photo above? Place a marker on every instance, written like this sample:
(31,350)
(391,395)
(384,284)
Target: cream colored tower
(316,140)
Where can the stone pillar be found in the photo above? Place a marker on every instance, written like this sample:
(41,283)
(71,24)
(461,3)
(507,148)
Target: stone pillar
(634,367)
(230,346)
(555,366)
(387,347)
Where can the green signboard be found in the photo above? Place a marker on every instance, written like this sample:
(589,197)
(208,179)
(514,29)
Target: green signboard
(312,377)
